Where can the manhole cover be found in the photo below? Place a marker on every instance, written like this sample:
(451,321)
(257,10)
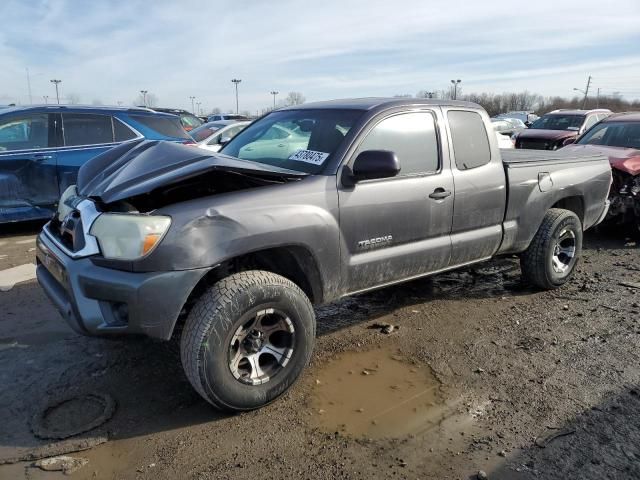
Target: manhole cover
(71,414)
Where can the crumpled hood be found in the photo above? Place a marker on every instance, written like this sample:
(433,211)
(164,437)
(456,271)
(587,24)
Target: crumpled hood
(534,133)
(139,167)
(621,158)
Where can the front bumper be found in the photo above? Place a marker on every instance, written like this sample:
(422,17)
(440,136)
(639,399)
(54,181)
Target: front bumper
(101,301)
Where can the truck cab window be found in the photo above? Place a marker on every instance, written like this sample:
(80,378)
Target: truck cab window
(469,137)
(411,136)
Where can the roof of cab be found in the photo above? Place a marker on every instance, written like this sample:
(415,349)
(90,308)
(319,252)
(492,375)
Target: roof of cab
(623,117)
(372,103)
(78,108)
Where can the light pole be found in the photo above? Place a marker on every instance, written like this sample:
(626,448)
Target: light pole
(236,81)
(56,82)
(274,93)
(144,97)
(46,99)
(455,88)
(585,92)
(192,107)
(198,110)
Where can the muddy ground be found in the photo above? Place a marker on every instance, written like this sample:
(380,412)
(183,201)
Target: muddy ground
(481,373)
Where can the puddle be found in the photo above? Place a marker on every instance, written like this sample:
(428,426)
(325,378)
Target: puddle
(376,394)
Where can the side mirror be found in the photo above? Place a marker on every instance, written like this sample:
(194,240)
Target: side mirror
(373,164)
(569,141)
(224,140)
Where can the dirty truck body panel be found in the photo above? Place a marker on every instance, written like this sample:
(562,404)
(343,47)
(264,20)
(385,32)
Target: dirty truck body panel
(453,203)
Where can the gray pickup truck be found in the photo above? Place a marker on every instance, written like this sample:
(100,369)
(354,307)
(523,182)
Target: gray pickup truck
(307,205)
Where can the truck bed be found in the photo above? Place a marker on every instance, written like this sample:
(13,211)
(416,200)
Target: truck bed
(538,180)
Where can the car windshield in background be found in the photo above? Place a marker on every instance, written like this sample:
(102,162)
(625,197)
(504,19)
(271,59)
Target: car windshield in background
(169,126)
(300,140)
(516,122)
(613,134)
(204,131)
(190,121)
(558,122)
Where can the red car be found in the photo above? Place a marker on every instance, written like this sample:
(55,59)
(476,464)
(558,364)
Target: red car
(555,129)
(618,137)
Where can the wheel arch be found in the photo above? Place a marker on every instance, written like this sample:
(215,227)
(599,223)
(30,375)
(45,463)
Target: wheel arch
(574,204)
(294,262)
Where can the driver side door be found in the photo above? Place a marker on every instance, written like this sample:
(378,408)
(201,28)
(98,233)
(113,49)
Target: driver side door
(28,174)
(397,228)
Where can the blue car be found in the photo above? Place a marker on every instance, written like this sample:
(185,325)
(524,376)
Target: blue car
(42,148)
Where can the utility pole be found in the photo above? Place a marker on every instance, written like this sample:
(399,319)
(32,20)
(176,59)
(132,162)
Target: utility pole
(586,92)
(29,87)
(274,93)
(199,110)
(455,88)
(236,81)
(56,83)
(144,97)
(598,98)
(192,107)
(46,99)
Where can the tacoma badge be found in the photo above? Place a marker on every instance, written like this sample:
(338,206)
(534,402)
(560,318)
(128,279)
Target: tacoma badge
(375,242)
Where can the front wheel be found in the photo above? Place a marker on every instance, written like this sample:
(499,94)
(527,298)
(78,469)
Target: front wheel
(247,340)
(551,258)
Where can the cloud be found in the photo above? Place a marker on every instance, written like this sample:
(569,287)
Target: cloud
(112,49)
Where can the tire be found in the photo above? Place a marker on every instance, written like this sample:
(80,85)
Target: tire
(544,264)
(247,324)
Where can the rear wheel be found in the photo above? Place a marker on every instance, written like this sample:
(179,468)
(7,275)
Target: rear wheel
(551,258)
(247,340)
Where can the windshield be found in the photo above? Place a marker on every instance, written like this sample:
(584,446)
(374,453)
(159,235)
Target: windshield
(300,140)
(613,134)
(558,122)
(190,121)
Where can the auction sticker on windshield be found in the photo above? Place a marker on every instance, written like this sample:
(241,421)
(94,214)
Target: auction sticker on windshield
(309,156)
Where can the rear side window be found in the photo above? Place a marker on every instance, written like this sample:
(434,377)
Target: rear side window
(167,126)
(86,129)
(469,137)
(122,132)
(24,132)
(411,136)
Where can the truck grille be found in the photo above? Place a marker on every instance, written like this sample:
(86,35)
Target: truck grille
(535,144)
(68,232)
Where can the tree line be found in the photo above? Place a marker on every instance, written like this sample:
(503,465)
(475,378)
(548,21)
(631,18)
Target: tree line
(496,103)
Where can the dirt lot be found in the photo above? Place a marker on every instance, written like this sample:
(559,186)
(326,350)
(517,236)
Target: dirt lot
(481,373)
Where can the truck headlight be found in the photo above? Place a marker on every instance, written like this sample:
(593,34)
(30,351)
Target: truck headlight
(129,236)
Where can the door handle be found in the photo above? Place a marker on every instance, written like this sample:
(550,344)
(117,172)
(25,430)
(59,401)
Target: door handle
(42,156)
(440,194)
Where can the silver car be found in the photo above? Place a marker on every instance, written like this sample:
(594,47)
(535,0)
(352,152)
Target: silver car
(213,135)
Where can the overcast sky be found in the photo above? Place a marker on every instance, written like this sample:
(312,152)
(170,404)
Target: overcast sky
(110,50)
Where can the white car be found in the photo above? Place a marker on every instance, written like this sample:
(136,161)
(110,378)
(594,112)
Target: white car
(276,142)
(213,135)
(504,141)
